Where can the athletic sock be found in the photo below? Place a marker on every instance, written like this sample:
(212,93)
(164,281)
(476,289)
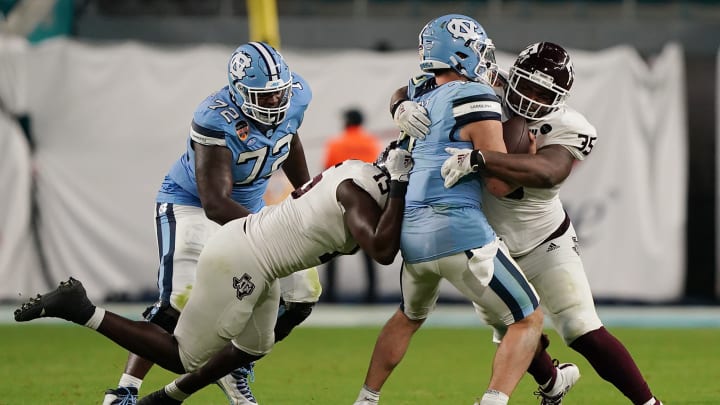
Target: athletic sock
(613,363)
(96,318)
(541,367)
(543,371)
(366,394)
(494,397)
(175,393)
(126,380)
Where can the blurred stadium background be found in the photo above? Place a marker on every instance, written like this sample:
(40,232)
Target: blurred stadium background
(97,95)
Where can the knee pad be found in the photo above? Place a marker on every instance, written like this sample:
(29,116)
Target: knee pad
(162,315)
(290,315)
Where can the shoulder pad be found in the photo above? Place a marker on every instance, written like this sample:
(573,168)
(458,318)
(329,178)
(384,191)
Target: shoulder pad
(421,84)
(207,117)
(569,128)
(302,94)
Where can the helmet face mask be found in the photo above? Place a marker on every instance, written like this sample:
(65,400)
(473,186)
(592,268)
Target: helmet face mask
(267,106)
(260,81)
(457,42)
(539,81)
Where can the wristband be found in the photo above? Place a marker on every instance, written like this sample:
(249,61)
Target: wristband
(398,188)
(477,161)
(394,106)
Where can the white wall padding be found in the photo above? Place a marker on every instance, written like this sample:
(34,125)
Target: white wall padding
(717,175)
(109,120)
(628,200)
(13,77)
(19,266)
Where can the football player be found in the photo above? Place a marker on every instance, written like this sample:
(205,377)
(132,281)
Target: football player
(445,234)
(238,137)
(229,319)
(538,231)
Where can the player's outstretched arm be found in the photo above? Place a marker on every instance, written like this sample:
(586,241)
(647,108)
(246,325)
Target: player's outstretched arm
(550,166)
(376,229)
(214,181)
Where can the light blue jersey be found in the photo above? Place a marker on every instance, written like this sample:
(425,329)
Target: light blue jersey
(438,221)
(257,150)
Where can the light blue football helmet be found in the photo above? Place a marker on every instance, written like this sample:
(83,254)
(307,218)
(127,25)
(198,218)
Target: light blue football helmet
(460,43)
(260,82)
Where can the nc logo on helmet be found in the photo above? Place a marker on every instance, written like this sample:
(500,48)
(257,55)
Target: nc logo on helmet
(463,28)
(238,63)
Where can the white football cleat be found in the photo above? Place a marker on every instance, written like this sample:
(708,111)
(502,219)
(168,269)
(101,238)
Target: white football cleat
(236,388)
(567,375)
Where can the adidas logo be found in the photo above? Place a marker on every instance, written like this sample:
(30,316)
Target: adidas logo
(552,247)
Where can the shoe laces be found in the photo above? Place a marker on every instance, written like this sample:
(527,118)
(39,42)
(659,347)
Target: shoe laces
(242,376)
(248,372)
(125,396)
(546,400)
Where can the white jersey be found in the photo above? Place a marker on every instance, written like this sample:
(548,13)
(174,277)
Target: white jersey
(308,228)
(237,290)
(528,216)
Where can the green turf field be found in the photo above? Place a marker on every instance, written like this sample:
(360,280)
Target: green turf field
(66,364)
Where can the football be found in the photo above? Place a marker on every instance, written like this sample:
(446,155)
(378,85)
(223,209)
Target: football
(515,135)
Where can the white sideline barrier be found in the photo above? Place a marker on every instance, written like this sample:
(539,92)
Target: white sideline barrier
(109,120)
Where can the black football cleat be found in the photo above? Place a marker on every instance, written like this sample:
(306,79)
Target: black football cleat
(121,396)
(68,301)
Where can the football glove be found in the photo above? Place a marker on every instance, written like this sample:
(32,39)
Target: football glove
(461,163)
(398,164)
(412,119)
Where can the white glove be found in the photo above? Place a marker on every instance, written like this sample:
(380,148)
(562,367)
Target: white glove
(398,164)
(459,165)
(412,119)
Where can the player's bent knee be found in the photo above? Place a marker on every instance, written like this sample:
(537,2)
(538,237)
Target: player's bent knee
(535,319)
(575,322)
(416,317)
(162,315)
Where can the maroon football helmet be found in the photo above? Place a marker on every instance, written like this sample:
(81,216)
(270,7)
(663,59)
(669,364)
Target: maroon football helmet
(539,80)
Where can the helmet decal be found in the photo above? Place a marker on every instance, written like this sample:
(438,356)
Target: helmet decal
(457,42)
(463,28)
(238,63)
